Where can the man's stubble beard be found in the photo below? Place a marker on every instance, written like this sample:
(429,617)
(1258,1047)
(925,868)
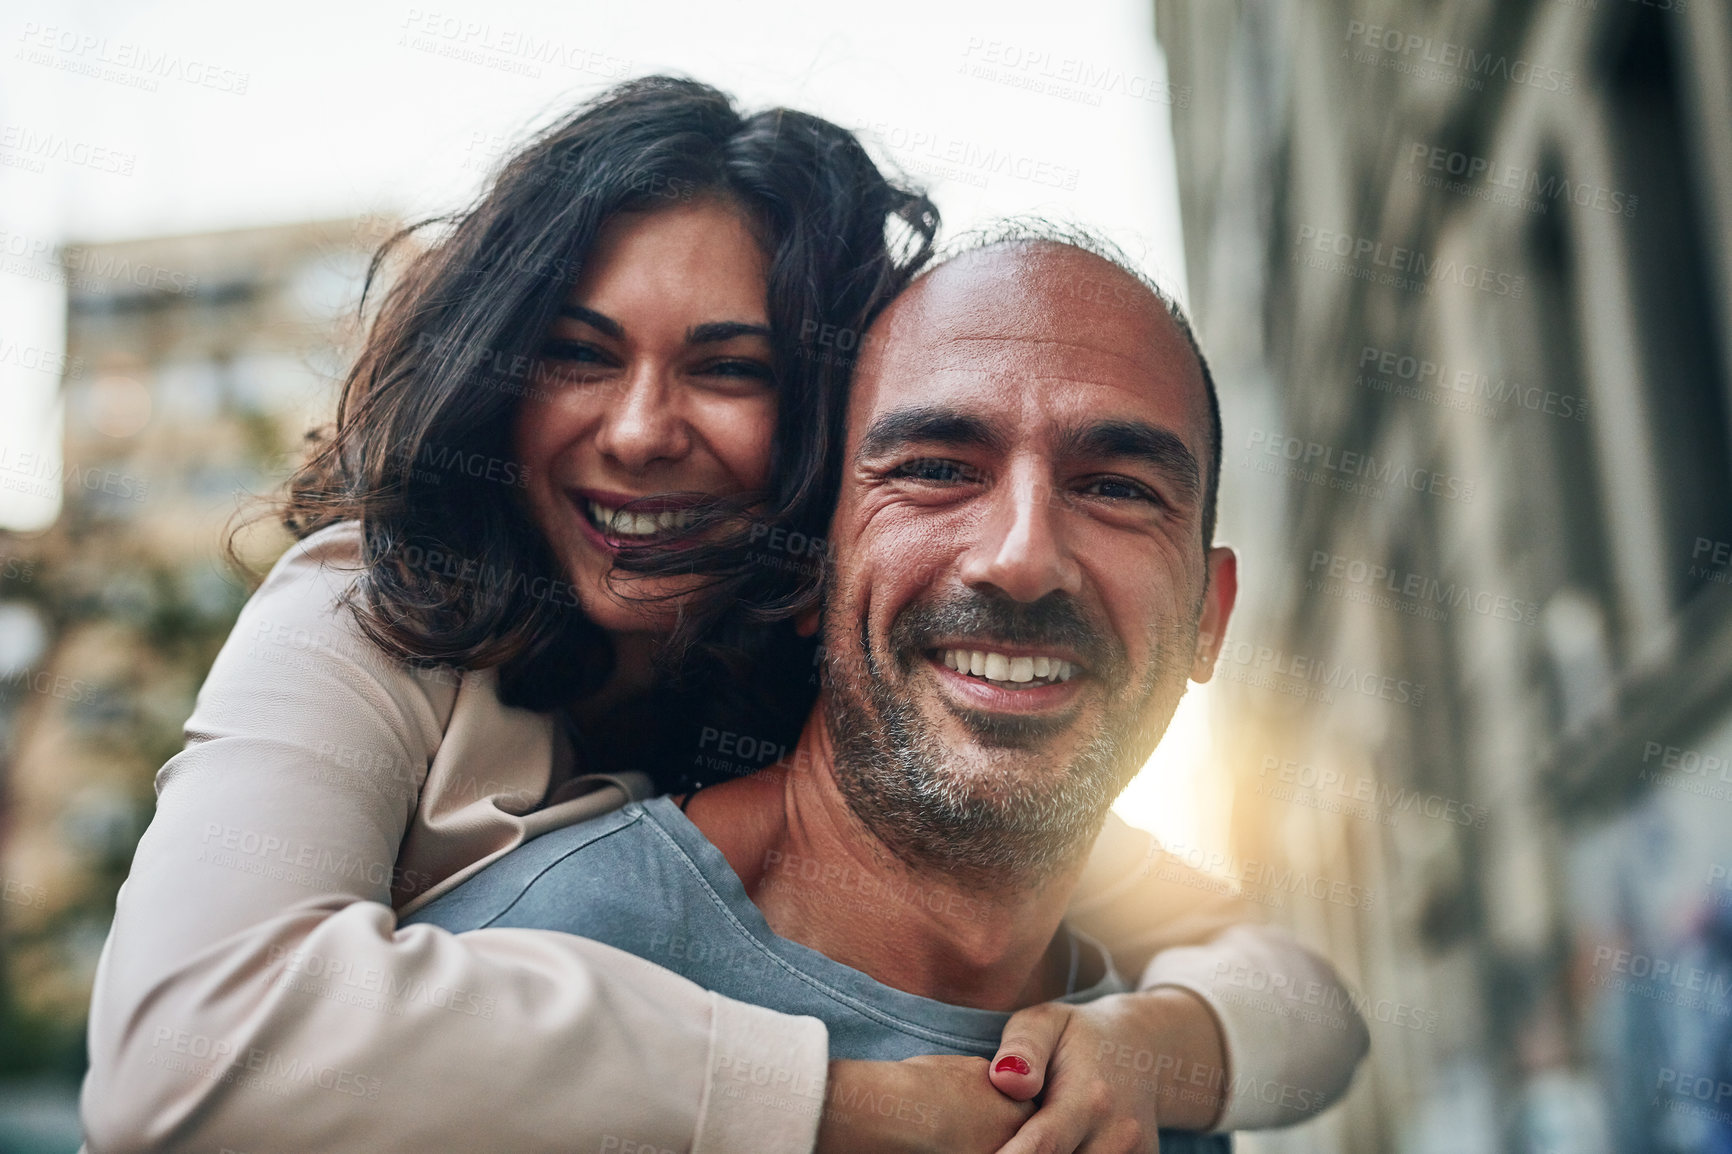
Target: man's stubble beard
(987,824)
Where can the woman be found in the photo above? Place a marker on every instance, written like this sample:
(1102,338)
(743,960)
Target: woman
(614,363)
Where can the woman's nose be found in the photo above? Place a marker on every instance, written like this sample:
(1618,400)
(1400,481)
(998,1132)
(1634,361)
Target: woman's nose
(643,424)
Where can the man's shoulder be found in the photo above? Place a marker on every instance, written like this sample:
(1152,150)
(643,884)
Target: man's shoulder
(582,864)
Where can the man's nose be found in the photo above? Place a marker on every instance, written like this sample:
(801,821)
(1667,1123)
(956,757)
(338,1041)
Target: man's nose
(642,423)
(1021,549)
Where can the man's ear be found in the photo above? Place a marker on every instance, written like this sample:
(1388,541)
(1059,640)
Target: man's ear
(1223,590)
(806,623)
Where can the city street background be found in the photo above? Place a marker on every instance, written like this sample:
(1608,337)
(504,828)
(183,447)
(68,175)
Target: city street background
(1464,274)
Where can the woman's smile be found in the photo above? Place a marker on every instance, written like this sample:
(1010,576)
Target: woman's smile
(650,519)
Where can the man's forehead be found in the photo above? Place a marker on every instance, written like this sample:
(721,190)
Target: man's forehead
(1029,330)
(1064,394)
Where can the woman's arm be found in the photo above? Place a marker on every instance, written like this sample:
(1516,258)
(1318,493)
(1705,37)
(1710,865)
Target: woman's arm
(255,992)
(1185,931)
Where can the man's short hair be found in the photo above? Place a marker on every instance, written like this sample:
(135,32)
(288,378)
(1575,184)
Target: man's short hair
(1035,231)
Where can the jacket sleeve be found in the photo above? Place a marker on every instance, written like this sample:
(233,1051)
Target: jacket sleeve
(1291,1029)
(256,994)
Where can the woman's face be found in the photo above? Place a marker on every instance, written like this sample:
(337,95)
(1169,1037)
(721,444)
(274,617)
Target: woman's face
(655,379)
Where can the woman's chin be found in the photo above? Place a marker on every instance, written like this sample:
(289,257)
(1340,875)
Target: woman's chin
(647,606)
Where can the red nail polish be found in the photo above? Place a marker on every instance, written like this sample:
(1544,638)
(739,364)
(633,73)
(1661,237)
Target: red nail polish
(1012,1063)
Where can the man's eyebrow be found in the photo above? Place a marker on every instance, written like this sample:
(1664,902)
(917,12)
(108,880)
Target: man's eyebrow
(1157,448)
(718,331)
(599,321)
(901,427)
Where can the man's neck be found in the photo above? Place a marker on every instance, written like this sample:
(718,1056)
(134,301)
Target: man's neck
(821,878)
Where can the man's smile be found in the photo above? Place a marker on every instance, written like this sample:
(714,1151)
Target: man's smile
(1015,669)
(1006,680)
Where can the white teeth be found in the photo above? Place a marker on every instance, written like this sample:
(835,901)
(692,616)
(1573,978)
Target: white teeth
(1003,668)
(623,524)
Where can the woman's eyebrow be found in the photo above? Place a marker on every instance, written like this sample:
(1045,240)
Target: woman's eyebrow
(717,331)
(598,321)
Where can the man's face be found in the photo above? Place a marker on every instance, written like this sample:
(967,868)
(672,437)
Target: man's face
(1019,574)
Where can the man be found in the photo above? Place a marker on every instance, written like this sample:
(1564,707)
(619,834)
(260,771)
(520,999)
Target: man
(1021,583)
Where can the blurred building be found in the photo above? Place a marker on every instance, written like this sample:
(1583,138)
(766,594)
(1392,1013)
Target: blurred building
(1465,273)
(201,362)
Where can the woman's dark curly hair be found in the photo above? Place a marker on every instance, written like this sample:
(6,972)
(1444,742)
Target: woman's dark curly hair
(454,571)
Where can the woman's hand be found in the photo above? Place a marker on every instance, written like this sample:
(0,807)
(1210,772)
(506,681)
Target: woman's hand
(1112,1071)
(935,1104)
